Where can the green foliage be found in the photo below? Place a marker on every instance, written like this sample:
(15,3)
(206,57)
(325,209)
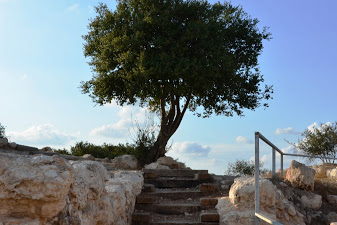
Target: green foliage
(2,131)
(242,168)
(319,141)
(174,55)
(101,151)
(62,151)
(154,51)
(145,137)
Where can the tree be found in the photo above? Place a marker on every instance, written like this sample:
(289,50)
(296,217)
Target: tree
(319,141)
(174,55)
(2,131)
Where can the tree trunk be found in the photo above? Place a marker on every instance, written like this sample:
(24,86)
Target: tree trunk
(169,124)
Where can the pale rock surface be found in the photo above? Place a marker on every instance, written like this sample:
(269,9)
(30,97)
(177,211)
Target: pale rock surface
(170,162)
(32,188)
(333,223)
(99,198)
(239,207)
(332,173)
(312,201)
(332,199)
(125,162)
(88,157)
(156,166)
(301,176)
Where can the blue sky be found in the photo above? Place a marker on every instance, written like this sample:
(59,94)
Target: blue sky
(42,65)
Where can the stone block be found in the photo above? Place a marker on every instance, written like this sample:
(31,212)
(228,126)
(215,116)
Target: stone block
(207,187)
(208,201)
(209,217)
(145,200)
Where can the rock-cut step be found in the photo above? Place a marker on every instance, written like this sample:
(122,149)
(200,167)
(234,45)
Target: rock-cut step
(174,183)
(169,209)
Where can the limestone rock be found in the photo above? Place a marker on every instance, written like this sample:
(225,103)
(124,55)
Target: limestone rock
(32,188)
(3,141)
(332,199)
(12,145)
(312,201)
(170,162)
(88,157)
(239,207)
(332,173)
(333,223)
(47,149)
(301,176)
(331,217)
(156,166)
(125,162)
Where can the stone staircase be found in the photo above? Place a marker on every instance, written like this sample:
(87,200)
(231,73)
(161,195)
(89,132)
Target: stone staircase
(176,197)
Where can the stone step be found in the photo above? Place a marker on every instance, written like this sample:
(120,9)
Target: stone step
(208,201)
(141,217)
(207,187)
(175,195)
(173,183)
(175,172)
(209,217)
(182,223)
(169,209)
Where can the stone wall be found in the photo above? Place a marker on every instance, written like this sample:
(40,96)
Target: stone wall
(42,189)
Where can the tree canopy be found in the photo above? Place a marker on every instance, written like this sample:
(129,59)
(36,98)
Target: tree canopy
(174,55)
(319,141)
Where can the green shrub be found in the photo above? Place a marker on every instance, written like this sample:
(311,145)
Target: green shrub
(242,168)
(101,151)
(62,151)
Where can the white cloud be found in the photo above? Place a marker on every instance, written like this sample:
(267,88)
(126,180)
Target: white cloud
(116,130)
(288,130)
(189,149)
(73,8)
(243,140)
(317,125)
(41,135)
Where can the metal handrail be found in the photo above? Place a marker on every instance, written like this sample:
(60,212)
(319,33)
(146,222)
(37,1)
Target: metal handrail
(259,136)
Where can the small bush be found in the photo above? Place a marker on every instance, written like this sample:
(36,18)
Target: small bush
(101,151)
(62,151)
(243,168)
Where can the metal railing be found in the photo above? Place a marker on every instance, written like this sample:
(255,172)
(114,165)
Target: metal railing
(275,149)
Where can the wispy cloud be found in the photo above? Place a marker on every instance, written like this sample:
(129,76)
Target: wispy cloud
(288,130)
(116,130)
(73,8)
(243,140)
(40,135)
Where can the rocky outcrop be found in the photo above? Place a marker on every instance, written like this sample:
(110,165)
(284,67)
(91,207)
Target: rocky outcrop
(332,173)
(301,176)
(166,162)
(33,188)
(50,190)
(239,207)
(125,162)
(312,201)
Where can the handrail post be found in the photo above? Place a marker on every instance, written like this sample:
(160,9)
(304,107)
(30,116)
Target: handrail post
(273,163)
(282,166)
(257,174)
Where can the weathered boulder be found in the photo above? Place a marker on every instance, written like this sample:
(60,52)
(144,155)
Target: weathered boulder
(301,176)
(170,162)
(156,166)
(88,157)
(125,162)
(239,207)
(312,201)
(322,169)
(332,199)
(32,188)
(3,141)
(332,173)
(331,217)
(99,198)
(12,145)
